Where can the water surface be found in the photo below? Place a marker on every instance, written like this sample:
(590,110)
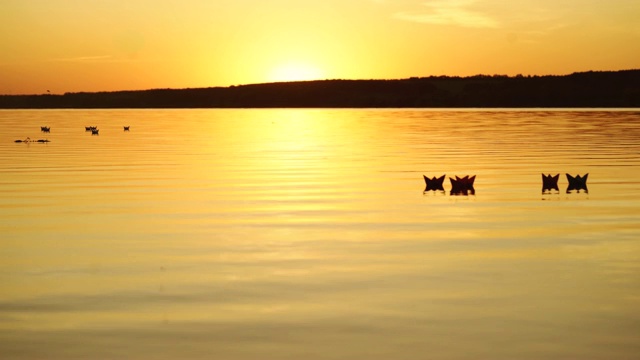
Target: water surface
(305,234)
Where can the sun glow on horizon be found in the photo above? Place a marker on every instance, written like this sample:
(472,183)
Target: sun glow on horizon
(132,45)
(295,71)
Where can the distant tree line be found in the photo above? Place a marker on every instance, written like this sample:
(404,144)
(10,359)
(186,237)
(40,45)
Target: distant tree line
(585,89)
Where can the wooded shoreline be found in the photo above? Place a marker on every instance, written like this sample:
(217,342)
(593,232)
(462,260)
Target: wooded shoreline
(607,89)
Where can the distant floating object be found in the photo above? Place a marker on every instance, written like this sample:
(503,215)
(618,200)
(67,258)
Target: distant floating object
(95,132)
(126,128)
(550,182)
(45,129)
(90,128)
(462,186)
(28,140)
(434,183)
(577,183)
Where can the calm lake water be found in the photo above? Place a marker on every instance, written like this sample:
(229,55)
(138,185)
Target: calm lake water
(305,234)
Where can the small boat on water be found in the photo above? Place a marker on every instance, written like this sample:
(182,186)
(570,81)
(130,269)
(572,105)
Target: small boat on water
(28,139)
(45,129)
(462,186)
(577,183)
(126,128)
(550,183)
(95,132)
(434,183)
(90,128)
(43,140)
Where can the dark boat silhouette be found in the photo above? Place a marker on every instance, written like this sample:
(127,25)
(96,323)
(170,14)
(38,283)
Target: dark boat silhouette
(577,183)
(28,139)
(126,128)
(45,128)
(550,182)
(462,186)
(434,183)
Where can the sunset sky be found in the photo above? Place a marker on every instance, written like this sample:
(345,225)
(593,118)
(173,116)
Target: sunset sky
(91,45)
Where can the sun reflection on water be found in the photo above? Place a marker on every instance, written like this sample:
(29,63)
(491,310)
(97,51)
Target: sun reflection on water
(306,233)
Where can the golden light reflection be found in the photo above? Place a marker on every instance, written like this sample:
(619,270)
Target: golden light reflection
(242,227)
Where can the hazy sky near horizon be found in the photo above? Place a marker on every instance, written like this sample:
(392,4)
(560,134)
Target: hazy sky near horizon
(104,45)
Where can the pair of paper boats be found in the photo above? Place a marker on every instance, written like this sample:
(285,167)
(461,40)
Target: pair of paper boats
(576,183)
(459,185)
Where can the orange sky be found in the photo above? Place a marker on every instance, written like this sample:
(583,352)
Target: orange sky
(92,45)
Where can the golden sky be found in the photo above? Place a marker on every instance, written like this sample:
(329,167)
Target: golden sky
(95,45)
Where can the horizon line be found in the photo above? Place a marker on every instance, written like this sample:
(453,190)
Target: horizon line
(48,93)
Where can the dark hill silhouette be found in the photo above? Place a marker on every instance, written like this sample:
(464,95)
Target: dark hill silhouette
(586,89)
